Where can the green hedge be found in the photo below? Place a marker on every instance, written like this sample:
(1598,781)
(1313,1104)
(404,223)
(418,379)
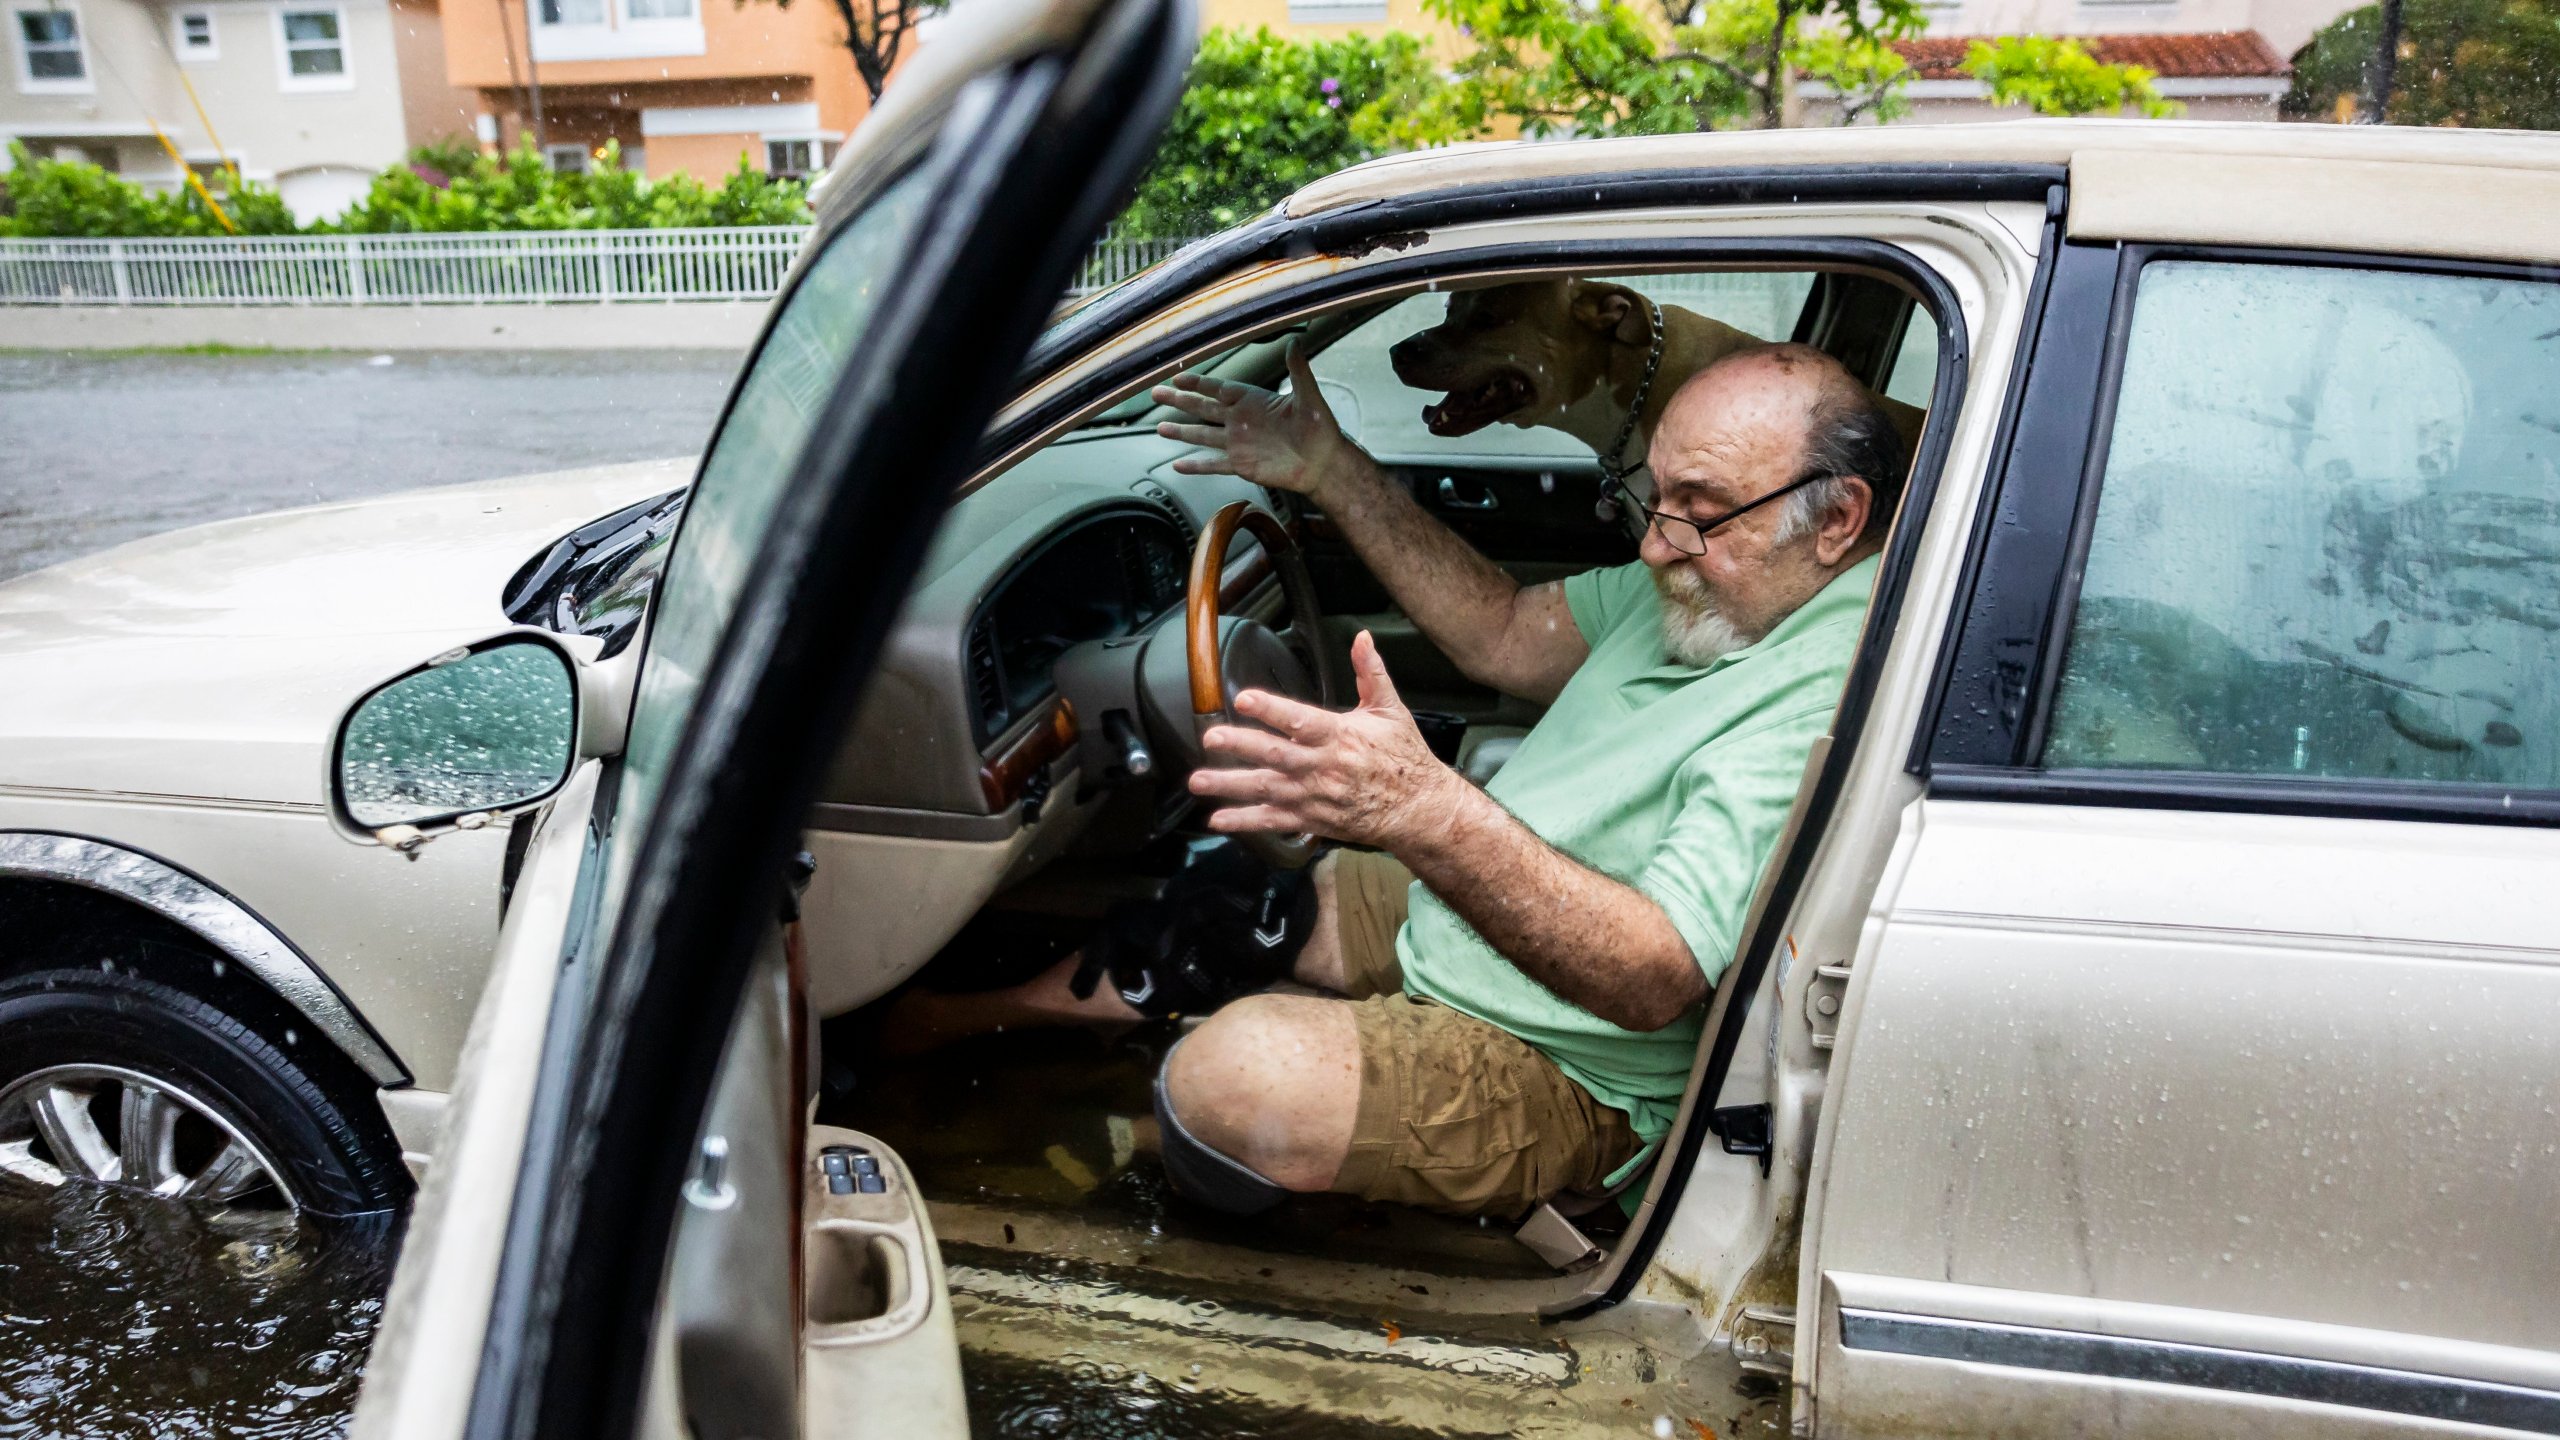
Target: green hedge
(439,188)
(76,199)
(449,188)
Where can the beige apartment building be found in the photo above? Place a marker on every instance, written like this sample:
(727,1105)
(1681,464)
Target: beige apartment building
(310,96)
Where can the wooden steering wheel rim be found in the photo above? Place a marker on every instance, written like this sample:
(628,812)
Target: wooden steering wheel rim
(1208,572)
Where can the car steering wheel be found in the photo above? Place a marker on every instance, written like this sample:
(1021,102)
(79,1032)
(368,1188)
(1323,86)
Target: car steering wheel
(1229,654)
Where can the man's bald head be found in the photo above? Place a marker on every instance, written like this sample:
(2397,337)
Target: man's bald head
(1796,400)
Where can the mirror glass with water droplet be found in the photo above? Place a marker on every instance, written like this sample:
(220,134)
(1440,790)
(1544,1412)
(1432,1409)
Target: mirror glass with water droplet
(490,730)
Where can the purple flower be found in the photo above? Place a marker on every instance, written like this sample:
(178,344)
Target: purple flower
(1330,85)
(1333,102)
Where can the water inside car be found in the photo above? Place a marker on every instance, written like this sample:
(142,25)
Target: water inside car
(1016,777)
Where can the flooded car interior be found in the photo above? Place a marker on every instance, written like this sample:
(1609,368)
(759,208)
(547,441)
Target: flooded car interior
(986,811)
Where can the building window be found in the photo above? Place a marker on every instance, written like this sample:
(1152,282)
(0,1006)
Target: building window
(71,153)
(315,49)
(795,159)
(1337,12)
(50,56)
(195,35)
(217,174)
(608,12)
(615,29)
(566,159)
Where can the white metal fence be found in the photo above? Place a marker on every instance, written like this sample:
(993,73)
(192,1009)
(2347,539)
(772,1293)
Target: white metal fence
(602,267)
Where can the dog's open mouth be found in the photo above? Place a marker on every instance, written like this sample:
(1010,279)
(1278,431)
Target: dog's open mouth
(1476,406)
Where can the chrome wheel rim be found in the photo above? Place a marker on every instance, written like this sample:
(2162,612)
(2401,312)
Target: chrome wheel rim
(107,1125)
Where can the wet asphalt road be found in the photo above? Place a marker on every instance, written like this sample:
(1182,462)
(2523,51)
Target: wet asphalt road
(100,448)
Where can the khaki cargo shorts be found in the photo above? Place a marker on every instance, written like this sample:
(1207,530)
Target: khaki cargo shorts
(1455,1114)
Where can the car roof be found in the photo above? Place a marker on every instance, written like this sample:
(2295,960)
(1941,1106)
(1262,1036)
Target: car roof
(2384,188)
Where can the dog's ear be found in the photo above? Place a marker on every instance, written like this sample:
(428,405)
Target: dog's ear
(1611,310)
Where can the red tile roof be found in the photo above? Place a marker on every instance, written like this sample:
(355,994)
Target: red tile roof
(2172,57)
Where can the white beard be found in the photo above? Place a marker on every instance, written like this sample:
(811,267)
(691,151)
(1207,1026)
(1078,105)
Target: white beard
(1695,629)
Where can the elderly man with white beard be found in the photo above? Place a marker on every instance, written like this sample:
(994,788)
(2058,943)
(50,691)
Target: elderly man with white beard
(1521,969)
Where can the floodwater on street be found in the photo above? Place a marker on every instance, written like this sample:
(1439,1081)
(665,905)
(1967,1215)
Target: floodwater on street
(97,448)
(121,1314)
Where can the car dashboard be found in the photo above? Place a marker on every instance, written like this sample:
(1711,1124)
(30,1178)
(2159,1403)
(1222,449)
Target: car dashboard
(959,773)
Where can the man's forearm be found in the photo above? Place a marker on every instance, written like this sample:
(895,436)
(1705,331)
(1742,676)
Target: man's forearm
(1462,601)
(1597,942)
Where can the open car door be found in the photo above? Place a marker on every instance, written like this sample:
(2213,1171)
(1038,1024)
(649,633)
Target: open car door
(630,1226)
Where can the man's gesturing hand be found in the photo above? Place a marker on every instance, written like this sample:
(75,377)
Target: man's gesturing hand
(1364,775)
(1288,442)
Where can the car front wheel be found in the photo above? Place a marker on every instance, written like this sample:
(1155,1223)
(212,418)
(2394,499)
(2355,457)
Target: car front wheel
(112,1078)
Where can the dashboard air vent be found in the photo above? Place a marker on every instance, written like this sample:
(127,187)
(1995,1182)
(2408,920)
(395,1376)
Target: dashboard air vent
(1164,500)
(986,679)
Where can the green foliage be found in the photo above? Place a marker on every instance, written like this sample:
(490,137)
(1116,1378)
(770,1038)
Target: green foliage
(452,155)
(74,198)
(2053,75)
(1262,116)
(441,187)
(1608,67)
(2462,62)
(517,191)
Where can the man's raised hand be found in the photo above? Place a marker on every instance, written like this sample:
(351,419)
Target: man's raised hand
(1288,442)
(1363,775)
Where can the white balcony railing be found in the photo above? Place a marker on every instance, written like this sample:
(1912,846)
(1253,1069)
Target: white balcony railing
(593,267)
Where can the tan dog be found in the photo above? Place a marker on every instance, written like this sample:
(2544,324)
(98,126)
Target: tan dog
(1570,355)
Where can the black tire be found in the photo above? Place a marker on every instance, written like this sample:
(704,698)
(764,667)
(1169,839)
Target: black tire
(328,1137)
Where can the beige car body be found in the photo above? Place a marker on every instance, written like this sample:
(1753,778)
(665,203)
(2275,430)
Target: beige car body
(1928,1170)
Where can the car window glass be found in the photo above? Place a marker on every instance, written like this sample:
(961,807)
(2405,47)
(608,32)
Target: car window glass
(2328,536)
(1386,416)
(1915,367)
(777,405)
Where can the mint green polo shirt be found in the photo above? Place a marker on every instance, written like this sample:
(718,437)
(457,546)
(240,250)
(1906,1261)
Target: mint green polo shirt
(1671,778)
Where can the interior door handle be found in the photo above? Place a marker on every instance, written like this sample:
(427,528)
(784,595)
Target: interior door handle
(1450,497)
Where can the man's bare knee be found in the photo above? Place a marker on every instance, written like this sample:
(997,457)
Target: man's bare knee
(1273,1083)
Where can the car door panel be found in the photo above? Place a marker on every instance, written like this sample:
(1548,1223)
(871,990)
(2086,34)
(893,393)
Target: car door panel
(2261,1129)
(1532,515)
(880,1339)
(1526,509)
(732,1306)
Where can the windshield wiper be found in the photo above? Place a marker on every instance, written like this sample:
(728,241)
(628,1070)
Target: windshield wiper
(544,591)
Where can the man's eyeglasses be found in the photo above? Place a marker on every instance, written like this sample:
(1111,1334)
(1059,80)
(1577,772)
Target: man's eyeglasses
(1689,536)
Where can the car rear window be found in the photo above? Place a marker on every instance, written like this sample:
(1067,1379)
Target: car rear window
(2327,539)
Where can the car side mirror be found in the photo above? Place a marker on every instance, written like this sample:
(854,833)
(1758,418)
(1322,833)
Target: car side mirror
(479,732)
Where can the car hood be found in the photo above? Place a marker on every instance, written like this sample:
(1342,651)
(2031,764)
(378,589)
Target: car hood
(212,663)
